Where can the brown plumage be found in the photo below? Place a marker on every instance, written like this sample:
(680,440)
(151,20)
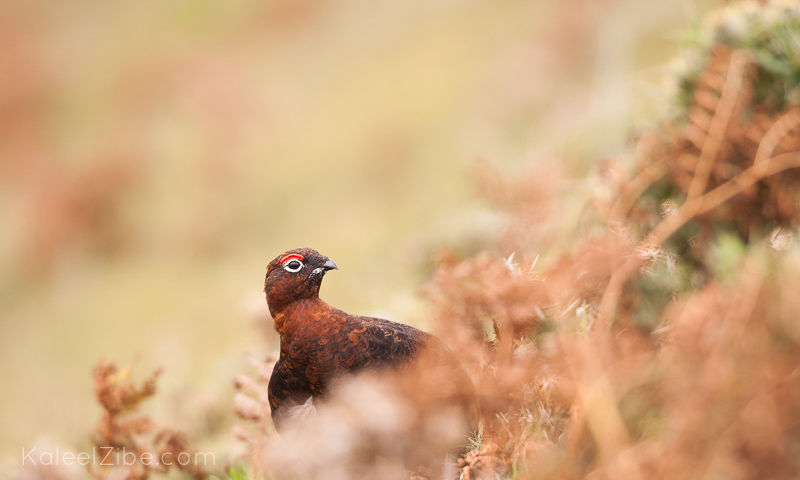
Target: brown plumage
(321,345)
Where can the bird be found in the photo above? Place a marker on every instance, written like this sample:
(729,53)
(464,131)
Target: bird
(321,346)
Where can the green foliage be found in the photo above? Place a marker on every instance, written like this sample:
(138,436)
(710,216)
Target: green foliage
(770,32)
(726,255)
(238,472)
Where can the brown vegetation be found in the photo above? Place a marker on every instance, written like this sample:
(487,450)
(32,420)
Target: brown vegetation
(130,445)
(636,356)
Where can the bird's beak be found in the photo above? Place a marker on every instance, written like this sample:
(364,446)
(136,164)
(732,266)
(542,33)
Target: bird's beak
(330,265)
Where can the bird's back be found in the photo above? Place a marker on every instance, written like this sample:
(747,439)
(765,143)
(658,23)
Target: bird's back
(322,346)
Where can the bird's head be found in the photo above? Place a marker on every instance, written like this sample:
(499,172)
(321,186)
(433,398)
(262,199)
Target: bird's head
(295,275)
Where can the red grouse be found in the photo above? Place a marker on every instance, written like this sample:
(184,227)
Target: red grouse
(320,345)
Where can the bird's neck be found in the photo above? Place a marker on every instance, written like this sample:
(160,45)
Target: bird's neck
(292,316)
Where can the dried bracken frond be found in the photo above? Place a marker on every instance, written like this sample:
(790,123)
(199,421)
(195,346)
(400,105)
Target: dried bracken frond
(489,294)
(131,446)
(117,395)
(251,403)
(120,425)
(248,408)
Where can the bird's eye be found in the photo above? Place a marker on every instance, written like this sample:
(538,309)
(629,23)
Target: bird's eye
(293,266)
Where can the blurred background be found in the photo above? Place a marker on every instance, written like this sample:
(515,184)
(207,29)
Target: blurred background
(155,156)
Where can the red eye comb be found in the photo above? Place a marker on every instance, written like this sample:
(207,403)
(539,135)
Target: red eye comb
(293,256)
